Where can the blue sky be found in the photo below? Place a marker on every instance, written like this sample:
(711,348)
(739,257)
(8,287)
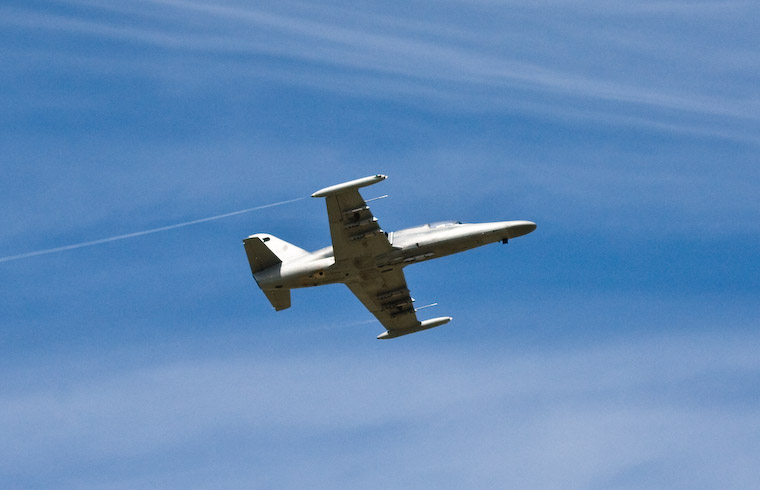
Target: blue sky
(615,347)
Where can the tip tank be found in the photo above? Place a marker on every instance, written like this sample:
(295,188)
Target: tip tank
(427,324)
(346,186)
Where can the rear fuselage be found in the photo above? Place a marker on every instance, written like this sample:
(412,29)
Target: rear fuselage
(409,246)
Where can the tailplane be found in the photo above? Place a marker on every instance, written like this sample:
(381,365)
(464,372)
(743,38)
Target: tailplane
(280,298)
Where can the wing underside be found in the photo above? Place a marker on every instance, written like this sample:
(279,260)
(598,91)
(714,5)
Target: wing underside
(357,241)
(386,296)
(356,235)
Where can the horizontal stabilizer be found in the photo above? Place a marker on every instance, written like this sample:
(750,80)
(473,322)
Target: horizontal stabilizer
(280,298)
(427,324)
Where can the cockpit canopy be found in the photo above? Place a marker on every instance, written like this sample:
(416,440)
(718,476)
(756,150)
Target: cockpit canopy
(429,226)
(443,224)
(399,237)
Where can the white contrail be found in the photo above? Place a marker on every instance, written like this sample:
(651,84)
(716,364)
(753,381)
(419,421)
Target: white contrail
(141,233)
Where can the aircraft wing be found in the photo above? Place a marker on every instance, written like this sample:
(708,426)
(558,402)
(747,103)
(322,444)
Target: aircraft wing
(385,295)
(355,232)
(357,240)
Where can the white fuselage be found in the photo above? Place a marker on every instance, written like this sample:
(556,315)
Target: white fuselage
(409,246)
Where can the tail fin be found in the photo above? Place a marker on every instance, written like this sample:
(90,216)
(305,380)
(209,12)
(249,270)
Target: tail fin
(260,257)
(265,251)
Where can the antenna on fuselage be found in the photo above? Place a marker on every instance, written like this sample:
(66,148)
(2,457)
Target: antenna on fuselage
(376,198)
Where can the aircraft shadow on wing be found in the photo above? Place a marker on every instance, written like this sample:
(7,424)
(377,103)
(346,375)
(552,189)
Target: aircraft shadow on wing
(367,259)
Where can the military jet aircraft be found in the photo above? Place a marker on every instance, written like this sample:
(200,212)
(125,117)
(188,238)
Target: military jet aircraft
(368,260)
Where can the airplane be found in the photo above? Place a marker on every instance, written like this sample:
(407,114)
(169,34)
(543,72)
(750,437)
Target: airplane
(367,259)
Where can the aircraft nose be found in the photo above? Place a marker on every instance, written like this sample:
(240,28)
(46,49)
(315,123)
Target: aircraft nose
(520,228)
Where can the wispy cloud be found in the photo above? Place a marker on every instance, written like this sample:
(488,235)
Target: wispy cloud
(591,414)
(476,64)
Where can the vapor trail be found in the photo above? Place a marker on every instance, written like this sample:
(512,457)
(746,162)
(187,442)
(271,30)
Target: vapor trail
(141,233)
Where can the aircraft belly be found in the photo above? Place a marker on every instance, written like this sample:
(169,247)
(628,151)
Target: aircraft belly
(419,252)
(299,274)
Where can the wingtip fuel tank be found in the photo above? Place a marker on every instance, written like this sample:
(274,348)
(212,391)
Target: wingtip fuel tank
(424,325)
(353,184)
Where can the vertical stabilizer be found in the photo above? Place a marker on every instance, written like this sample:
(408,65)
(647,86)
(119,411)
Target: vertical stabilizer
(267,251)
(259,255)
